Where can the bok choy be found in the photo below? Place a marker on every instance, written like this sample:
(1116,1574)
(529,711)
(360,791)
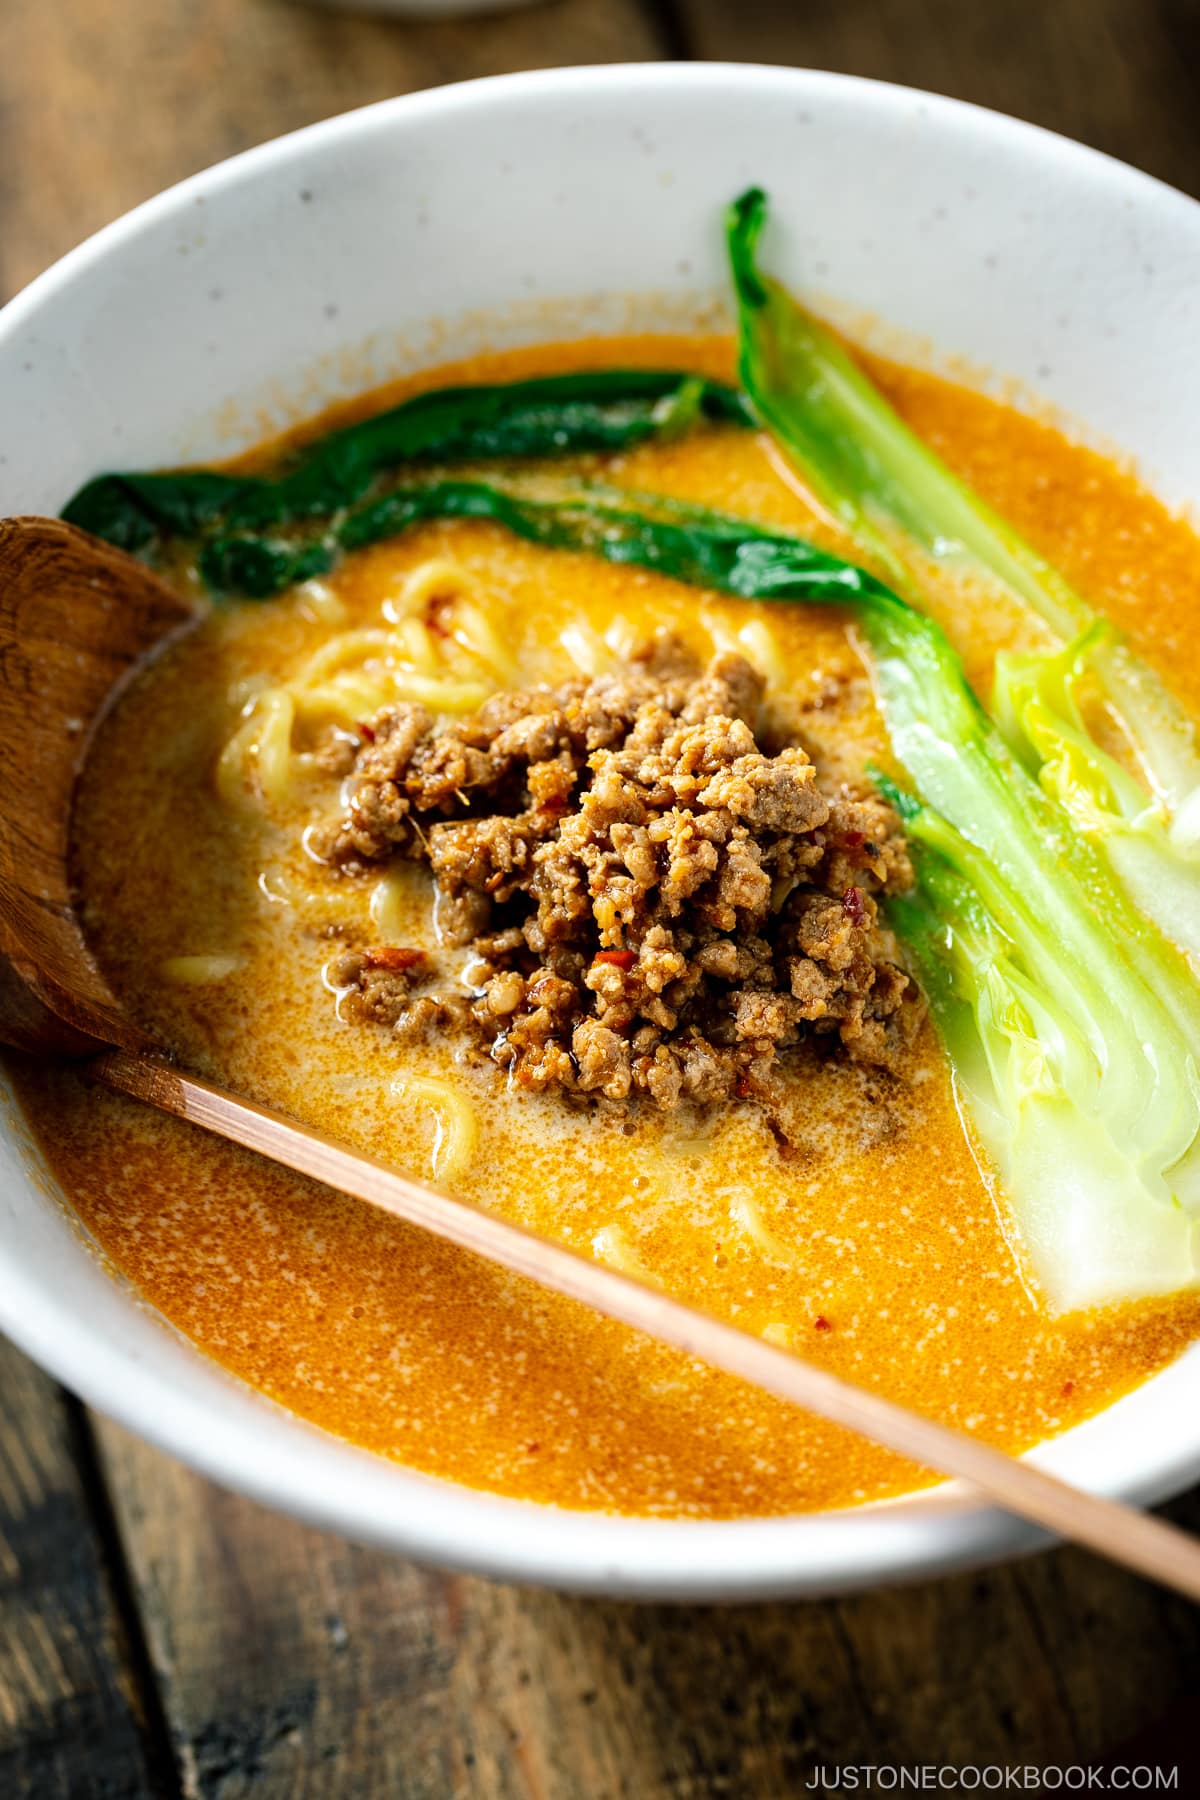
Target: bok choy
(895,497)
(1071,1018)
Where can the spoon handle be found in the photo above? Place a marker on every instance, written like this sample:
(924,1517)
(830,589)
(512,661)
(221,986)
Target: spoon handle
(1120,1532)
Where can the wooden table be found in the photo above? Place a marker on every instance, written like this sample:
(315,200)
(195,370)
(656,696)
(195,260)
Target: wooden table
(161,1637)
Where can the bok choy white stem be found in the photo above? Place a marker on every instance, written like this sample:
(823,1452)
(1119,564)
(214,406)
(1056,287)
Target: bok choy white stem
(1072,1022)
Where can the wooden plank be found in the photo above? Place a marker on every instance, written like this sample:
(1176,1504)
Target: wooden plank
(1116,75)
(103,102)
(71,1720)
(296,1665)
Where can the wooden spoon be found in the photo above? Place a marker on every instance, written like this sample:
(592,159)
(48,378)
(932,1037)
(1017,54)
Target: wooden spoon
(75,617)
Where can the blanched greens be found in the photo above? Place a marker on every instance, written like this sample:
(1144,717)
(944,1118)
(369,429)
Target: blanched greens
(900,504)
(690,543)
(1072,1021)
(555,415)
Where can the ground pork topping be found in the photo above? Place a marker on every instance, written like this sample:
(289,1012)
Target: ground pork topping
(657,900)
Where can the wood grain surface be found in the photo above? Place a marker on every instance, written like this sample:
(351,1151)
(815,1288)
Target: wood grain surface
(295,1664)
(160,1638)
(1121,75)
(107,101)
(71,1691)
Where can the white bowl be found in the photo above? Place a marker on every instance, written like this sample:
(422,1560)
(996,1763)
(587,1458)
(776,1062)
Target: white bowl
(503,211)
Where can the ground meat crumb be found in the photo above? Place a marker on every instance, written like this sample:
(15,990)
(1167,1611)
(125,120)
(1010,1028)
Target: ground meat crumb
(655,905)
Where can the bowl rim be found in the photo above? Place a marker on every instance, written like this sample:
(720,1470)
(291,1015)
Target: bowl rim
(361,1495)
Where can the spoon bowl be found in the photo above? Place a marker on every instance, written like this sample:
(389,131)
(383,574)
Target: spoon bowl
(75,617)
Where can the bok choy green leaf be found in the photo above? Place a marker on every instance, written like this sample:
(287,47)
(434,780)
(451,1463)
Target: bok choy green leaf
(894,496)
(551,416)
(690,543)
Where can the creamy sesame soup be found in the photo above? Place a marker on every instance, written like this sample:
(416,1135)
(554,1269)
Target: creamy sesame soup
(853,1222)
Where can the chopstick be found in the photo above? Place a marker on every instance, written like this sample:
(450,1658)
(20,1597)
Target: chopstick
(1121,1533)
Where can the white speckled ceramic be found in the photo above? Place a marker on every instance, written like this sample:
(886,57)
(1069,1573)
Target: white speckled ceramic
(501,211)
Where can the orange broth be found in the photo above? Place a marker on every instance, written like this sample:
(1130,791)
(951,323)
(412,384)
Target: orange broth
(879,1248)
